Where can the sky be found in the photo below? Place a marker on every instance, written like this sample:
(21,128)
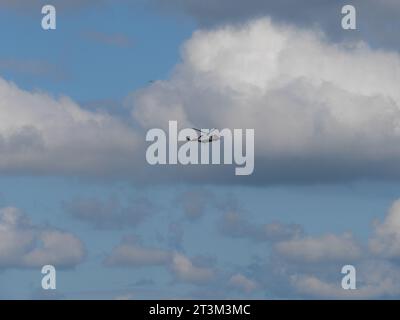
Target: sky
(77,193)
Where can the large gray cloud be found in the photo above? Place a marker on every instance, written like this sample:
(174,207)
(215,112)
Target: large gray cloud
(321,111)
(377,21)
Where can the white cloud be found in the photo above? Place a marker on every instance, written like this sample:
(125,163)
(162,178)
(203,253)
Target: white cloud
(375,279)
(385,241)
(320,111)
(303,266)
(186,271)
(312,265)
(326,248)
(129,253)
(242,283)
(41,134)
(23,245)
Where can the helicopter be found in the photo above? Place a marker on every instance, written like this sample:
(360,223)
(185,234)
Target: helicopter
(205,136)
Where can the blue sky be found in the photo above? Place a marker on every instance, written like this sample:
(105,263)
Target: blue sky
(141,232)
(79,59)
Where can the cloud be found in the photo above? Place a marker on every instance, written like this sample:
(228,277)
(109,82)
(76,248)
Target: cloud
(186,271)
(325,249)
(376,20)
(302,266)
(234,225)
(111,213)
(43,135)
(322,112)
(310,266)
(24,245)
(385,241)
(242,283)
(377,278)
(130,253)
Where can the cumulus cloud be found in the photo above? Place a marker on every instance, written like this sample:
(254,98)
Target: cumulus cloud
(186,271)
(234,225)
(242,283)
(43,135)
(309,266)
(24,245)
(130,253)
(324,249)
(110,213)
(300,266)
(321,111)
(375,279)
(385,241)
